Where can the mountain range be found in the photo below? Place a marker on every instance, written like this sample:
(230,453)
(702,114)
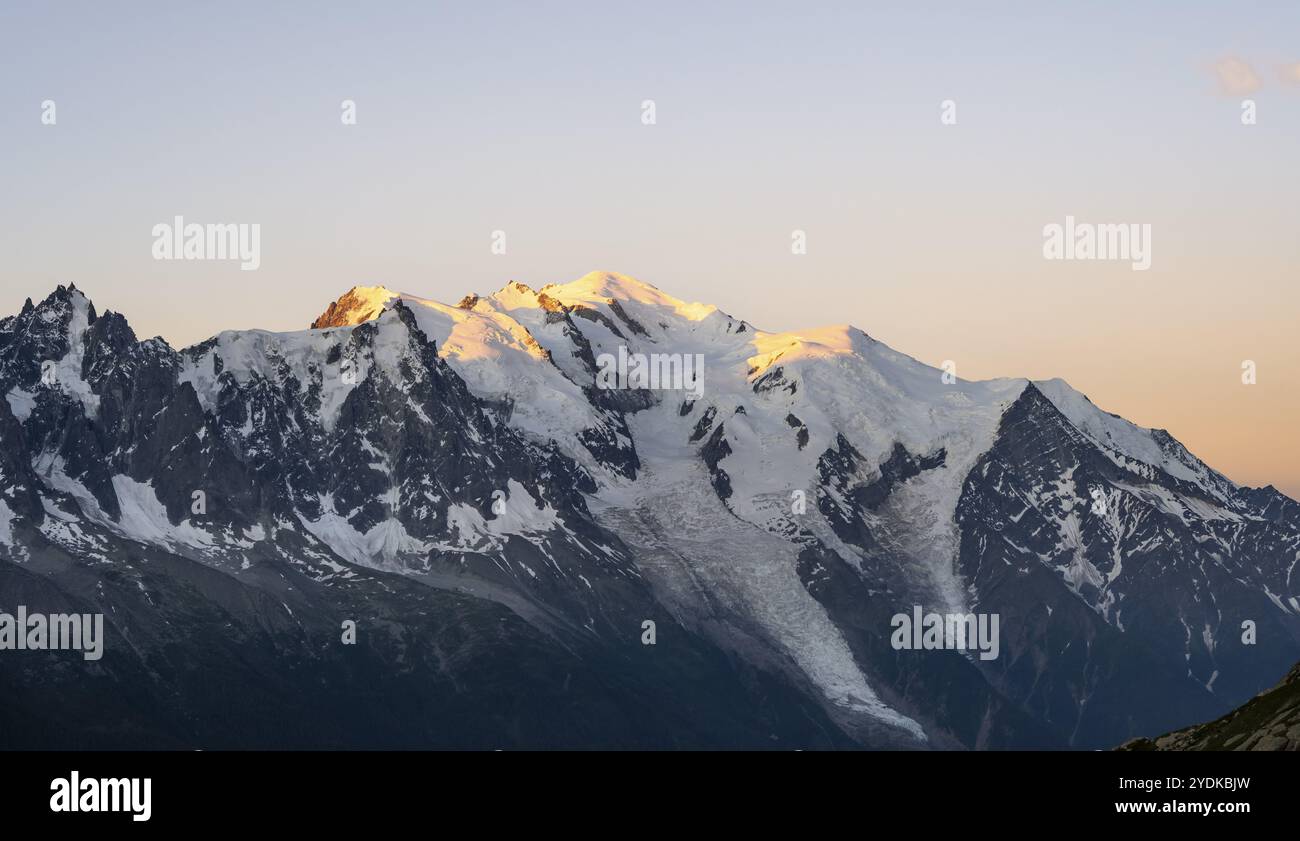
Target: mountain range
(529,559)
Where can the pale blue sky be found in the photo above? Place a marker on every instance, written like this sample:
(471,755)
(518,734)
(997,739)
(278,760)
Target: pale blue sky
(772,117)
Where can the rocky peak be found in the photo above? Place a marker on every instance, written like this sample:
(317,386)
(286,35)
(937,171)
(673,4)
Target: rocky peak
(357,305)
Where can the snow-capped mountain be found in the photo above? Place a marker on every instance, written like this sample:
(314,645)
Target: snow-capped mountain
(501,525)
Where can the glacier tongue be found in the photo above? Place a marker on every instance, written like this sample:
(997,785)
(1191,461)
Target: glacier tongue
(714,568)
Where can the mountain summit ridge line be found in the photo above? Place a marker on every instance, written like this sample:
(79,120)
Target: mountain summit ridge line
(447,466)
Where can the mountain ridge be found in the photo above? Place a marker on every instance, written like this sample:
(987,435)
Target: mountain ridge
(1268,722)
(469,449)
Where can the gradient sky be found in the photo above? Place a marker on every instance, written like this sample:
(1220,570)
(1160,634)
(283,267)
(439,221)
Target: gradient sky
(771,117)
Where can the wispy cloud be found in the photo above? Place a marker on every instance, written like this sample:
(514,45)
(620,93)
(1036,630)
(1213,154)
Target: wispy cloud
(1236,76)
(1290,73)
